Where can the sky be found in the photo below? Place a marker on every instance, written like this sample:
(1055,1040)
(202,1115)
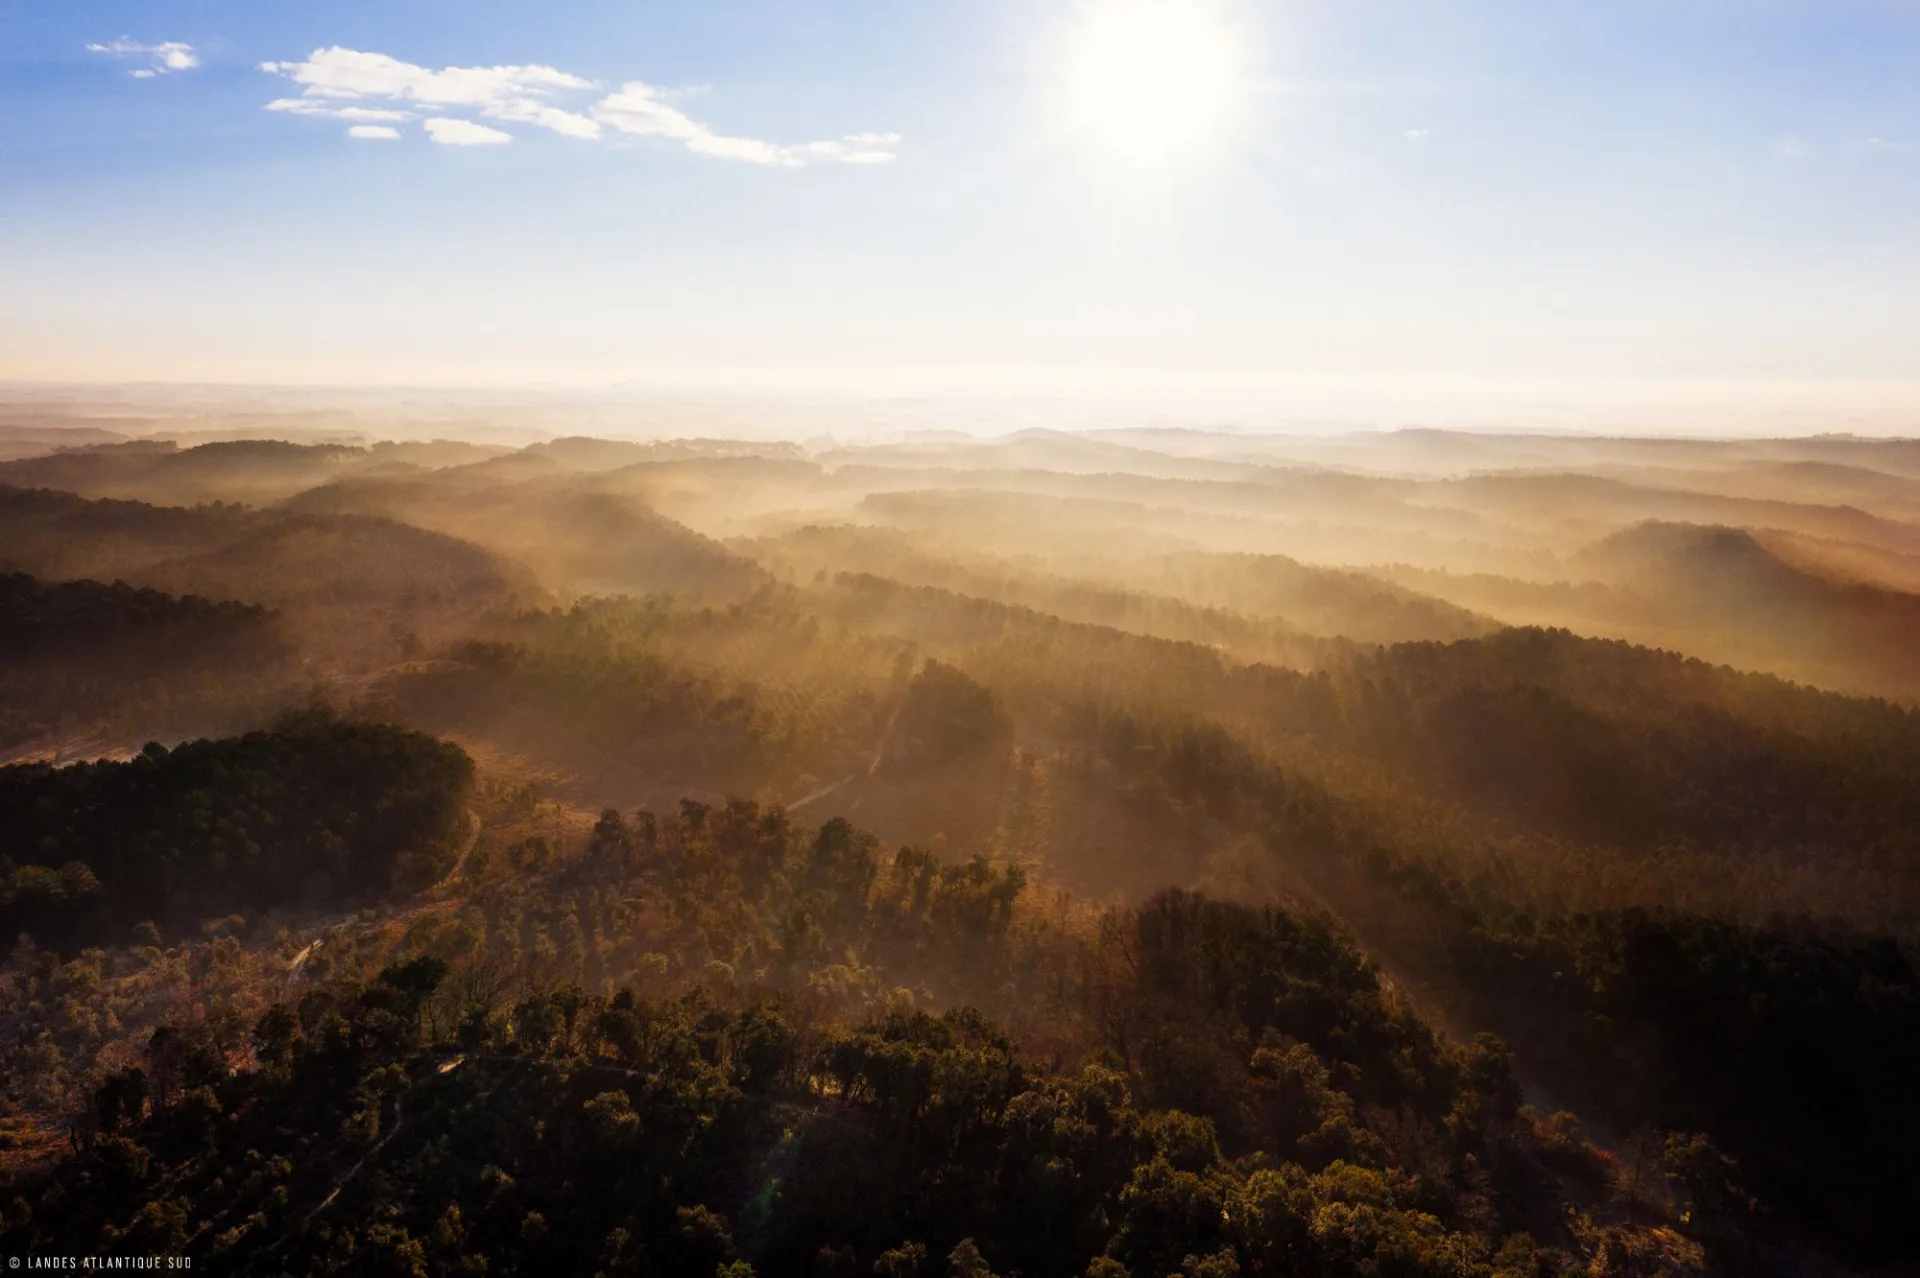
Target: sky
(1381,196)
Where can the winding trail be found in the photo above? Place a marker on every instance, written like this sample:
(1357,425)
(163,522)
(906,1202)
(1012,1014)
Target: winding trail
(466,849)
(879,754)
(299,961)
(399,1121)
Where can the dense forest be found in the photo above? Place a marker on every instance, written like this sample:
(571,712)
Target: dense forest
(309,815)
(1204,1088)
(1083,855)
(87,656)
(40,618)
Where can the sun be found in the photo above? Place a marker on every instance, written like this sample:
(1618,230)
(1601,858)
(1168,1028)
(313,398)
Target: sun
(1151,78)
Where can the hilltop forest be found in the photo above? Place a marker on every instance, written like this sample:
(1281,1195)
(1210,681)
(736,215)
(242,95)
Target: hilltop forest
(1121,854)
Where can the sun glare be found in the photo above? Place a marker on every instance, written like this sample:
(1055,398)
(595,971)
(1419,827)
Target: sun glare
(1151,78)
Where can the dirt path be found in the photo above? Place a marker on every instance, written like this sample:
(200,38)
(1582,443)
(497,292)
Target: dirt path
(399,1121)
(466,849)
(879,755)
(821,793)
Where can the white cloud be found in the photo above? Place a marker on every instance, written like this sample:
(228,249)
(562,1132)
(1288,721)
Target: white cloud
(569,123)
(374,132)
(642,108)
(1417,135)
(752,150)
(452,132)
(851,150)
(515,93)
(163,58)
(328,110)
(348,84)
(646,110)
(348,73)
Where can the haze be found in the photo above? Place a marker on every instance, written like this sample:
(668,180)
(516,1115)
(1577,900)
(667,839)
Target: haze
(1083,639)
(1631,196)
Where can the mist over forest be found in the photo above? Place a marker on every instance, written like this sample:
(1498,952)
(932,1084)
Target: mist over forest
(464,839)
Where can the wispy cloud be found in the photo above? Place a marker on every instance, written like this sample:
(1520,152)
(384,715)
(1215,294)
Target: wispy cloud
(1418,135)
(347,84)
(162,59)
(334,111)
(518,93)
(448,131)
(647,110)
(374,132)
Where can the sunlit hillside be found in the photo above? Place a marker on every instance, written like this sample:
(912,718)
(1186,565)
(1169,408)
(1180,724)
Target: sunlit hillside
(1617,772)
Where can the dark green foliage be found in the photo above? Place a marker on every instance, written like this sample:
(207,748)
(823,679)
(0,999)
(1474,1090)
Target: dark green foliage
(56,534)
(1600,740)
(715,1042)
(644,693)
(947,717)
(1795,1051)
(80,655)
(47,618)
(316,813)
(738,893)
(1791,1046)
(739,1132)
(636,709)
(1264,977)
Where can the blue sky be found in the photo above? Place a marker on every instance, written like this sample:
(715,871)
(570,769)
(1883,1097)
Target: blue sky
(926,192)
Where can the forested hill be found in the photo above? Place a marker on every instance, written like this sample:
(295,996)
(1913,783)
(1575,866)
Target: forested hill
(57,534)
(1189,824)
(311,816)
(1602,740)
(1182,1087)
(39,618)
(230,552)
(84,659)
(577,538)
(250,470)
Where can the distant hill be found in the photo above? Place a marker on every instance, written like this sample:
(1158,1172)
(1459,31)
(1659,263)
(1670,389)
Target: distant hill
(1568,505)
(1827,612)
(30,437)
(1728,580)
(346,559)
(1323,601)
(252,471)
(824,551)
(1846,562)
(1036,449)
(61,535)
(1602,739)
(255,556)
(578,538)
(1123,544)
(1689,555)
(255,471)
(585,453)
